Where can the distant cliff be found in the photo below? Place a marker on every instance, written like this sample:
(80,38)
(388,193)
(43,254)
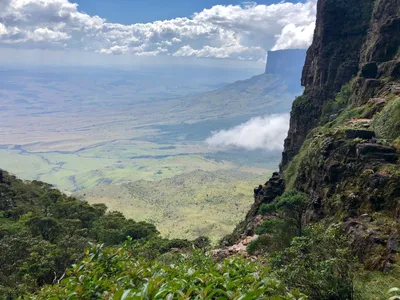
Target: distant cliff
(286,62)
(268,93)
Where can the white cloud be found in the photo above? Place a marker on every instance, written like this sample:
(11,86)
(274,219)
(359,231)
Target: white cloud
(233,31)
(293,37)
(266,133)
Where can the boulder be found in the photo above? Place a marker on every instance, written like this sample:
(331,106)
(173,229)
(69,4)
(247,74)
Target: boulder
(357,133)
(395,89)
(377,101)
(377,181)
(389,69)
(369,70)
(370,151)
(273,188)
(335,170)
(366,218)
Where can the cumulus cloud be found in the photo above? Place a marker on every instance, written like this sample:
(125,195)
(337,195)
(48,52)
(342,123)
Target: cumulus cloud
(267,133)
(224,31)
(293,37)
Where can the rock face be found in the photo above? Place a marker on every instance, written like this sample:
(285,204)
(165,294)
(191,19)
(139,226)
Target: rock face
(349,36)
(343,145)
(349,166)
(266,193)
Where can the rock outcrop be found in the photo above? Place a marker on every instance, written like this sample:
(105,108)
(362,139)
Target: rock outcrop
(266,193)
(343,145)
(349,36)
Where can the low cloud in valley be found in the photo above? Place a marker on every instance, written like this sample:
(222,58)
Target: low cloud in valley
(267,133)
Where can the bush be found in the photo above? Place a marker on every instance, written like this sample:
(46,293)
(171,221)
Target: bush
(320,265)
(267,208)
(290,206)
(259,245)
(107,273)
(339,103)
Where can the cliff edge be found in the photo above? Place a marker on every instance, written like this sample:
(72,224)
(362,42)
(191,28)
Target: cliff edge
(342,148)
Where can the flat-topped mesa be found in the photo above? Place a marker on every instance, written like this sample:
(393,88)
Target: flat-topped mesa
(285,62)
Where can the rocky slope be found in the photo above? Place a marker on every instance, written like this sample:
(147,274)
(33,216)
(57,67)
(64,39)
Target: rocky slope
(343,144)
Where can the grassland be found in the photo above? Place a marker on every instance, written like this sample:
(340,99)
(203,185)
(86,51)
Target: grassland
(186,205)
(110,163)
(123,140)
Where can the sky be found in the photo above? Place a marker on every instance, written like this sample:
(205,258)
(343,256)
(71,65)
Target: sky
(99,30)
(143,11)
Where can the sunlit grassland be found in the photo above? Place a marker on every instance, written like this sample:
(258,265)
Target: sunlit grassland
(186,205)
(72,171)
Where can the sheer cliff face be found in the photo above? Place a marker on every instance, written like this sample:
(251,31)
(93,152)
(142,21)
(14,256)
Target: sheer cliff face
(343,145)
(347,35)
(286,62)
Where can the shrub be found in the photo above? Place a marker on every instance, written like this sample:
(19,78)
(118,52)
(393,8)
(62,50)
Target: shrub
(259,245)
(291,207)
(320,265)
(107,273)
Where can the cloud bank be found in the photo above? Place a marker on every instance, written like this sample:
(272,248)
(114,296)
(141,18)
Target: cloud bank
(243,32)
(266,133)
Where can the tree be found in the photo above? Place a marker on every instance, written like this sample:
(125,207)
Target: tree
(292,205)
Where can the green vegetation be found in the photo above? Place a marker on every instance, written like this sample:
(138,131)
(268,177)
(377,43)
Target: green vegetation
(377,285)
(387,122)
(96,166)
(284,222)
(116,274)
(184,206)
(333,107)
(319,264)
(291,207)
(317,261)
(43,232)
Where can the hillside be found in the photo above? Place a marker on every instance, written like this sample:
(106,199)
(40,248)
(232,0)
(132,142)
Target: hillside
(43,232)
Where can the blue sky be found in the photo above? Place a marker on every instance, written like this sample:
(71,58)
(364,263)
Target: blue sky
(140,11)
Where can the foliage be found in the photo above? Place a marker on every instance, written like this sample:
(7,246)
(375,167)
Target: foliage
(375,285)
(291,207)
(394,293)
(109,273)
(43,232)
(301,104)
(281,232)
(335,106)
(259,245)
(319,264)
(386,123)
